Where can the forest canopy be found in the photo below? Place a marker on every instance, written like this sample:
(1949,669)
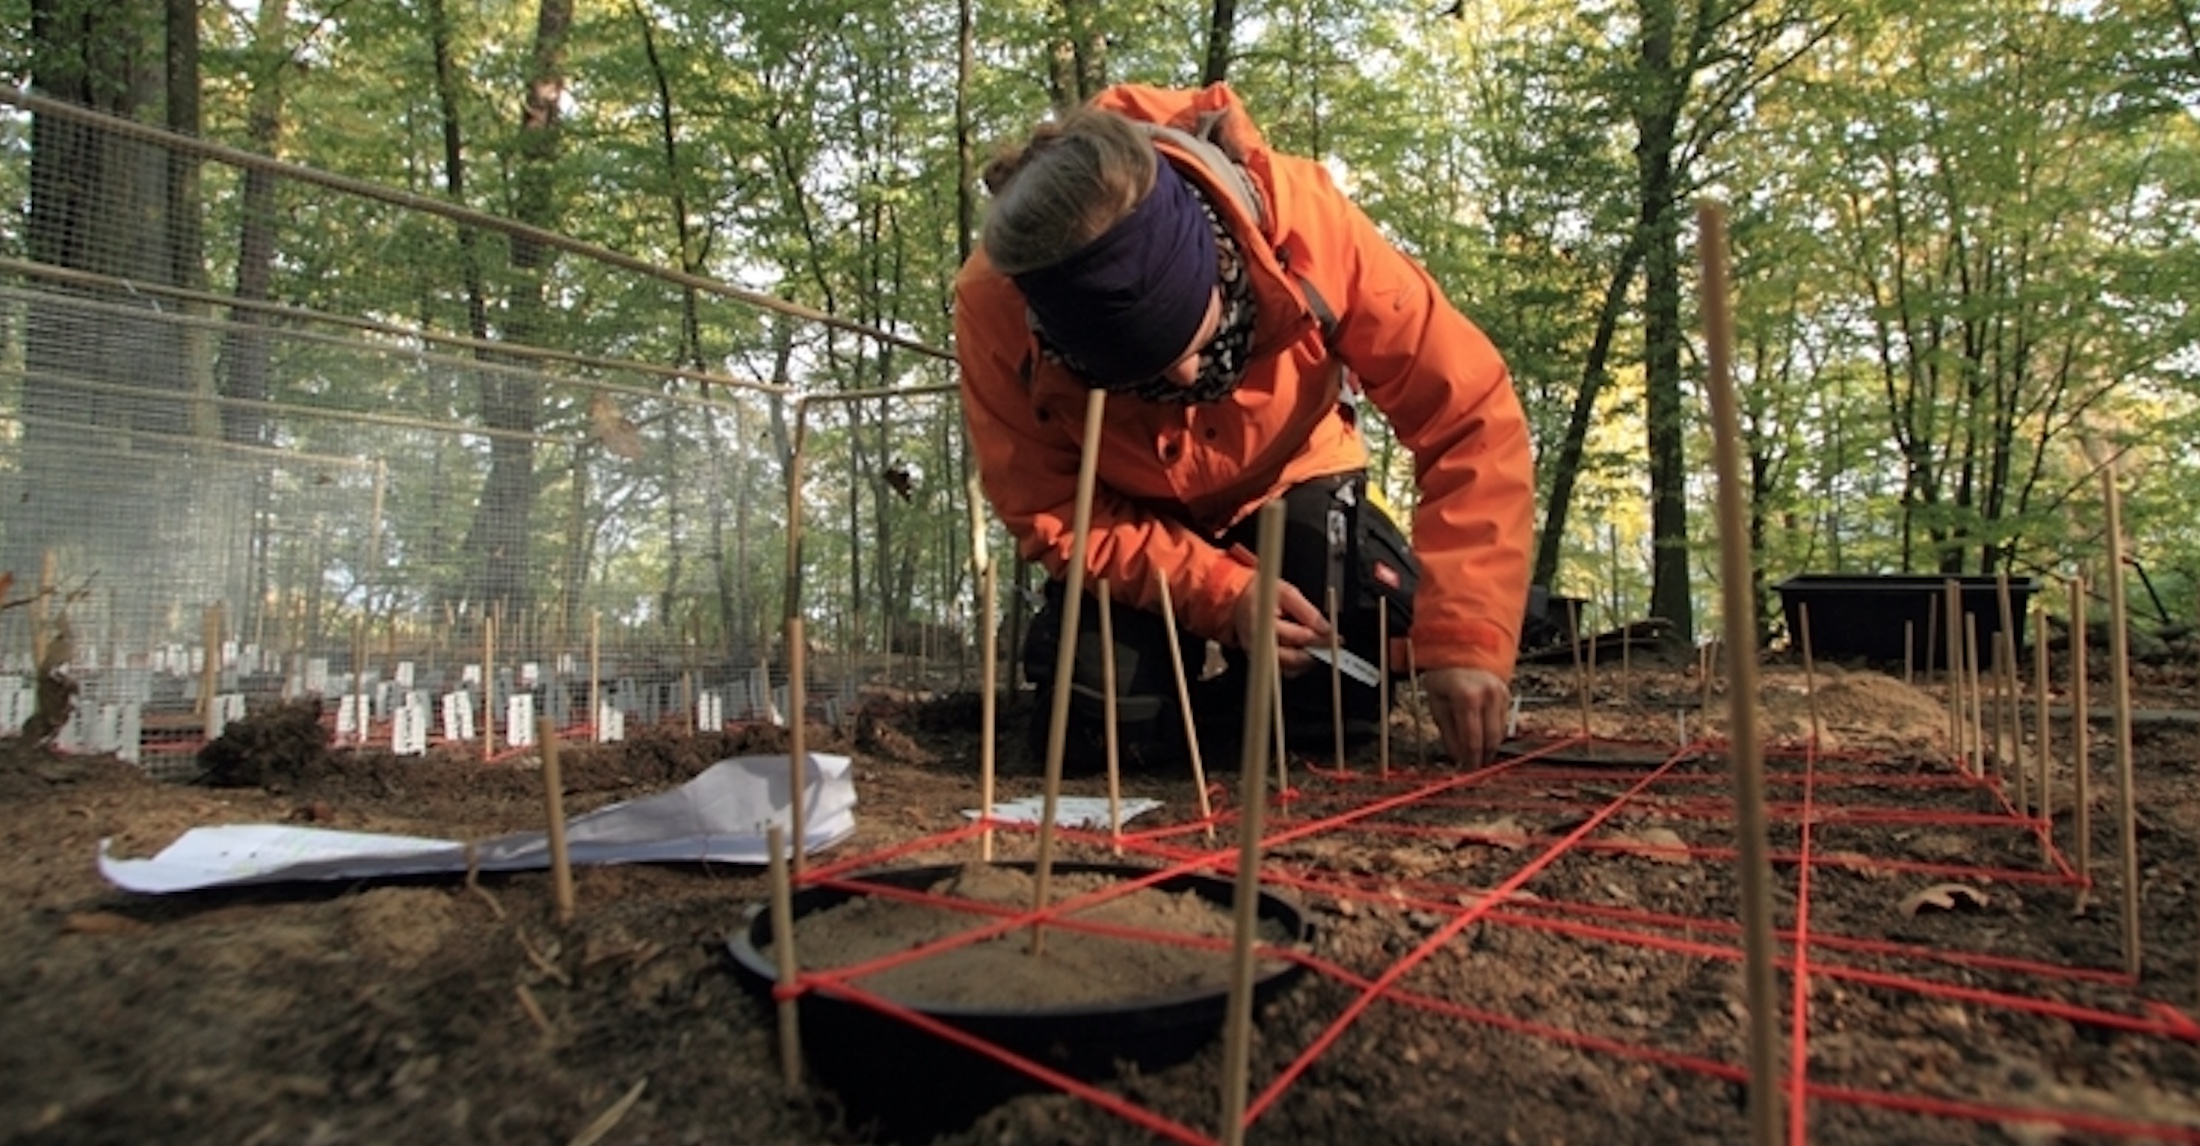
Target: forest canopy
(1964,234)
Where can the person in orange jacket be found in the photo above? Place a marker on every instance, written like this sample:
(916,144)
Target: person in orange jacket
(1231,300)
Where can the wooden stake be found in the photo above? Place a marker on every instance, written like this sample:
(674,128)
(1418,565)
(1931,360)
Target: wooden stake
(2010,684)
(1252,801)
(1065,662)
(42,609)
(1283,749)
(2004,666)
(1109,735)
(2045,787)
(989,666)
(1382,685)
(1932,636)
(2081,736)
(595,673)
(1581,678)
(1954,675)
(553,802)
(1909,652)
(1739,622)
(1336,677)
(790,1020)
(1420,708)
(488,686)
(358,679)
(1626,663)
(1810,677)
(1184,702)
(210,678)
(798,743)
(2119,658)
(1976,709)
(1707,654)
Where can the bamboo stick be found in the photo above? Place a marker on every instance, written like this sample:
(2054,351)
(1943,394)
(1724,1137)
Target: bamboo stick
(2001,666)
(1810,678)
(2042,733)
(989,658)
(41,610)
(1581,679)
(595,672)
(1253,800)
(358,679)
(1739,622)
(2119,657)
(1420,708)
(798,742)
(1932,635)
(1073,592)
(553,802)
(1382,685)
(2081,736)
(1283,749)
(1976,711)
(1336,677)
(790,1025)
(1909,652)
(488,686)
(1184,702)
(1954,674)
(210,677)
(1109,734)
(2012,732)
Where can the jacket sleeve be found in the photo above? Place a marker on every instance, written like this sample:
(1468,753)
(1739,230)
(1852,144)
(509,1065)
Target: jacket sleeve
(1450,399)
(1028,469)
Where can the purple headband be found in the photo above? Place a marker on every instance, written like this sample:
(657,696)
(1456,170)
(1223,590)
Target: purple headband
(1127,304)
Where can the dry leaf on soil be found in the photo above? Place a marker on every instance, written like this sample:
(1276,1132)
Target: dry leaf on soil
(1945,896)
(1503,833)
(1659,845)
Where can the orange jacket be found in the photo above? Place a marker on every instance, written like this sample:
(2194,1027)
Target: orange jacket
(1173,477)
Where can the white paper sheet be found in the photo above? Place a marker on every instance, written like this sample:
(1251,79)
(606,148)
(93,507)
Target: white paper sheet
(720,815)
(1069,811)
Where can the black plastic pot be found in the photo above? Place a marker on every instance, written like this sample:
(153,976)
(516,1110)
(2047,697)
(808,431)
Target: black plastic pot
(1864,616)
(912,1086)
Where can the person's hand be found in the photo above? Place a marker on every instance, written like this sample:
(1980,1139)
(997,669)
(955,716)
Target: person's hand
(1470,707)
(1298,624)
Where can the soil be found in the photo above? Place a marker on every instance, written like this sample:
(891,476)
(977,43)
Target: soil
(1118,966)
(1553,941)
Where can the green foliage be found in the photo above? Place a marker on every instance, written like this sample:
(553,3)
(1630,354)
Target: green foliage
(1963,233)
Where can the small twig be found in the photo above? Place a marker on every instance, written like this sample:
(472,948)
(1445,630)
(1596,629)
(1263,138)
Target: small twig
(541,964)
(594,1131)
(473,882)
(534,1010)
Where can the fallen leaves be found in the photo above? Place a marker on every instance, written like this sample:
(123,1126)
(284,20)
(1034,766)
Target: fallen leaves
(1504,832)
(1945,897)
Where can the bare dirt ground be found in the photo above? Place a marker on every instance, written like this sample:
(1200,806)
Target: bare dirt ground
(429,1011)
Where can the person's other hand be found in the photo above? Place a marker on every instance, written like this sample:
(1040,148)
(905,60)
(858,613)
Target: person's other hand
(1470,707)
(1298,624)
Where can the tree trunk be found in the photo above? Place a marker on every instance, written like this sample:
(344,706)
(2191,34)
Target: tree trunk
(102,203)
(1661,86)
(500,542)
(1221,30)
(1566,470)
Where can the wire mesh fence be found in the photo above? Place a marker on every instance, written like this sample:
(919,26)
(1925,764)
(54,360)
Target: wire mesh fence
(269,434)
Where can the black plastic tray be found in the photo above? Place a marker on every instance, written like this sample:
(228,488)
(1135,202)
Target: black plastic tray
(1863,616)
(913,1086)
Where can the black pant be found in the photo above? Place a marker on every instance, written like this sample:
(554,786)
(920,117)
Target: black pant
(1333,539)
